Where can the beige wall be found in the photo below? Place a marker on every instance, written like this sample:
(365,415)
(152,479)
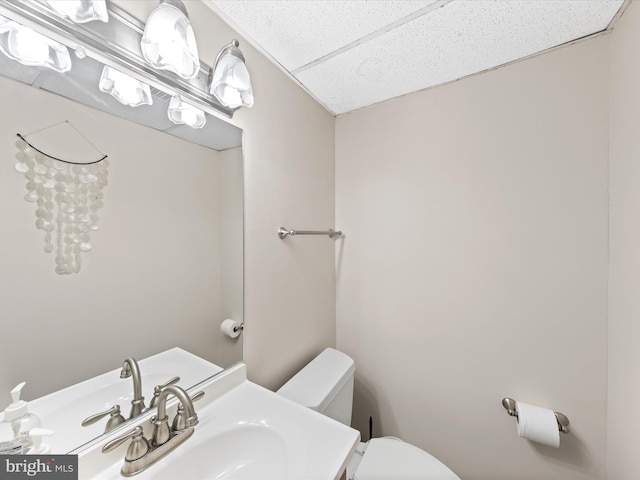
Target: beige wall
(232,244)
(153,279)
(289,180)
(475,263)
(624,270)
(289,302)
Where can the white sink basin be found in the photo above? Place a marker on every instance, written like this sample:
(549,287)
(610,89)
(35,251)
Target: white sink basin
(64,410)
(244,452)
(245,432)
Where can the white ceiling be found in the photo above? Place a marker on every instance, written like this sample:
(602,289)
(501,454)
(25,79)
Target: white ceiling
(354,53)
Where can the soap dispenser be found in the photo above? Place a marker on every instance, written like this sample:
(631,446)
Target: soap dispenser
(38,447)
(21,421)
(8,443)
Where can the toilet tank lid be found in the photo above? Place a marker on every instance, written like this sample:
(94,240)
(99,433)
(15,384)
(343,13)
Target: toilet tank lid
(320,380)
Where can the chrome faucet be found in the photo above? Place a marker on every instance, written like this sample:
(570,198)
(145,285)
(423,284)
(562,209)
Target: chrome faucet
(115,418)
(142,453)
(161,430)
(130,368)
(157,390)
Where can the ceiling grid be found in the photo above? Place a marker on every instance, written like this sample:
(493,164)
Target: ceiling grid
(355,53)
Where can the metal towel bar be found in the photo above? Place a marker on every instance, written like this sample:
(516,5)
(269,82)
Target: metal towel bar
(283,232)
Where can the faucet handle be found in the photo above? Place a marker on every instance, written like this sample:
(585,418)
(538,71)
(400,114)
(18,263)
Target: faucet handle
(115,419)
(180,421)
(158,389)
(138,447)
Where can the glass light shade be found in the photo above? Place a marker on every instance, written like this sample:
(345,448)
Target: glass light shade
(231,83)
(32,48)
(182,113)
(125,89)
(168,42)
(81,11)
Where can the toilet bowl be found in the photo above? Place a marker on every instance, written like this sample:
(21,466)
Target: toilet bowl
(326,385)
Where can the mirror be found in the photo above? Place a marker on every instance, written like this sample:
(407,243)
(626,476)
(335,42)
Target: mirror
(166,265)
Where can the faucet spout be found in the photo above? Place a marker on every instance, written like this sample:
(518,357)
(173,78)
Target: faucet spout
(130,368)
(141,453)
(161,429)
(185,400)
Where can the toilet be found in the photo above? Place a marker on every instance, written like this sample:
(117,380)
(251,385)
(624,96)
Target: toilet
(326,385)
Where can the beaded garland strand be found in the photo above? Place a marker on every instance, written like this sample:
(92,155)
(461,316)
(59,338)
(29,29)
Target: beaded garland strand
(68,197)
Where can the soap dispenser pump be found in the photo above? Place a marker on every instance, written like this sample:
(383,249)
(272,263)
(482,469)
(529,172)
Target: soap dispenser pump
(21,420)
(38,447)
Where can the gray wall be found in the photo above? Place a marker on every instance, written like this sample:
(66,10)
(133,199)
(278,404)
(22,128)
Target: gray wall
(475,263)
(624,270)
(492,281)
(289,302)
(153,278)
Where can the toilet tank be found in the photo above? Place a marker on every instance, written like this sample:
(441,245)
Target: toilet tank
(325,384)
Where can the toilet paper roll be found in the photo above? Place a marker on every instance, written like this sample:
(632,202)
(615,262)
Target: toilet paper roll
(538,424)
(231,328)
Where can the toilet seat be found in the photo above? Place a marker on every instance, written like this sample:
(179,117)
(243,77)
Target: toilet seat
(388,457)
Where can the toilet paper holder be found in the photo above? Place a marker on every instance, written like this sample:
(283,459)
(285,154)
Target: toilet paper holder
(510,406)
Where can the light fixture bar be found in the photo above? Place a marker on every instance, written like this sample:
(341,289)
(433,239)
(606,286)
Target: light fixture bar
(117,45)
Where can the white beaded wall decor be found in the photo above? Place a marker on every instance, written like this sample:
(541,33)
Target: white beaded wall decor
(68,196)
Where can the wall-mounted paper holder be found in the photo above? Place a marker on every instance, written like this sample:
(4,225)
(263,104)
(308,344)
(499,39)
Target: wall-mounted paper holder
(510,406)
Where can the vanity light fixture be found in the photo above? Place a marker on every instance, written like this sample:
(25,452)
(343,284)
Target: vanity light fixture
(180,112)
(168,41)
(81,11)
(32,48)
(127,90)
(230,82)
(127,45)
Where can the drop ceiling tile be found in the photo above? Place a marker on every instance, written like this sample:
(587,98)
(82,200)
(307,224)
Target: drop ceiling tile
(298,32)
(459,39)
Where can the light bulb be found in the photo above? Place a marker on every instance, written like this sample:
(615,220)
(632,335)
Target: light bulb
(168,42)
(180,112)
(81,11)
(32,48)
(230,82)
(127,90)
